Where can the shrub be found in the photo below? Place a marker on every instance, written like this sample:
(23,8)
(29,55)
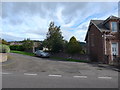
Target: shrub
(73,46)
(4,48)
(27,45)
(17,47)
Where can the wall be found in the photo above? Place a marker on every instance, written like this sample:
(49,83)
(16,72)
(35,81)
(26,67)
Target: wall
(96,48)
(77,56)
(3,57)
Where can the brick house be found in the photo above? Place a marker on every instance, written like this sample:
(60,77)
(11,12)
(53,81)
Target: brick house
(103,40)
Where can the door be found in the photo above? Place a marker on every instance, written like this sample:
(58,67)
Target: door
(114,48)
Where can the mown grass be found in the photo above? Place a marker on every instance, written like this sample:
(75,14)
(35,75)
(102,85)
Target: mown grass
(69,59)
(22,52)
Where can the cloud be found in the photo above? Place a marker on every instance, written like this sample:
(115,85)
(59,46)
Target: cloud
(10,37)
(31,19)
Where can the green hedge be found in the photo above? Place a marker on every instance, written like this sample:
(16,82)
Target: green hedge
(17,47)
(4,48)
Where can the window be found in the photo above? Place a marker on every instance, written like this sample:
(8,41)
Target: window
(114,26)
(115,48)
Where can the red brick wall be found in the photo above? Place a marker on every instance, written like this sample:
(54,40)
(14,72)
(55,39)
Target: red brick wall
(95,44)
(119,49)
(115,38)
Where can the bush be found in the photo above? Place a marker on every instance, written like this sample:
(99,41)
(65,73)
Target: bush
(17,47)
(4,48)
(73,46)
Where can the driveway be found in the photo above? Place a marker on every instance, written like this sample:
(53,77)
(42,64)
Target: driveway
(20,66)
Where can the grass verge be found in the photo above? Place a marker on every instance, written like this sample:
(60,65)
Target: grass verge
(22,52)
(56,58)
(69,59)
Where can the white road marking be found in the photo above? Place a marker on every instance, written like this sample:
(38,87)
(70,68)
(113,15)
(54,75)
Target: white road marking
(30,74)
(80,76)
(55,75)
(105,77)
(6,73)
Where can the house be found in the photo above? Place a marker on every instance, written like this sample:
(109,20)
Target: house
(45,49)
(16,43)
(103,40)
(36,44)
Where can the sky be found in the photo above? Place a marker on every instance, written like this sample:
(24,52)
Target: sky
(22,20)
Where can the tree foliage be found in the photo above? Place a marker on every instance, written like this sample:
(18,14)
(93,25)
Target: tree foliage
(54,41)
(73,46)
(4,41)
(27,45)
(4,48)
(17,47)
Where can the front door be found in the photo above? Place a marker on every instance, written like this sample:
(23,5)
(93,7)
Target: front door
(114,49)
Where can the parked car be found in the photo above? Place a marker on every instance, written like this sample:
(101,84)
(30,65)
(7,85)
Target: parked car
(41,53)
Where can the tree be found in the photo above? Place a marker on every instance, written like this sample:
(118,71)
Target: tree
(73,46)
(4,48)
(4,42)
(65,45)
(17,47)
(28,45)
(54,40)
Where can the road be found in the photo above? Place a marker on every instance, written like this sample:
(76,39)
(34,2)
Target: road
(32,72)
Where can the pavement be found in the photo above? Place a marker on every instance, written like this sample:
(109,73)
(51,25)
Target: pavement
(22,71)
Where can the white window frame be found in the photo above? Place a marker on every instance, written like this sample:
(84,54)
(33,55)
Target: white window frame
(116,49)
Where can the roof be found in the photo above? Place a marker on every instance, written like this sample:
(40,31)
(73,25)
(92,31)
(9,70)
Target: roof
(100,24)
(112,17)
(82,43)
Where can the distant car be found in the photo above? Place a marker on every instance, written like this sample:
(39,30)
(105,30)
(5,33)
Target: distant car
(41,53)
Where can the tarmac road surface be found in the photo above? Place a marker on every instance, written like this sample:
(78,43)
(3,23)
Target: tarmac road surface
(23,71)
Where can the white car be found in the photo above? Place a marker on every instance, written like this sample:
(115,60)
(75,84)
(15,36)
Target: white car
(41,53)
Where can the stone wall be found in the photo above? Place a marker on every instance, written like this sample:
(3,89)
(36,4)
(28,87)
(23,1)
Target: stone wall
(3,57)
(76,56)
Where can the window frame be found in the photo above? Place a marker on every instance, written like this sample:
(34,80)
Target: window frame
(117,48)
(115,26)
